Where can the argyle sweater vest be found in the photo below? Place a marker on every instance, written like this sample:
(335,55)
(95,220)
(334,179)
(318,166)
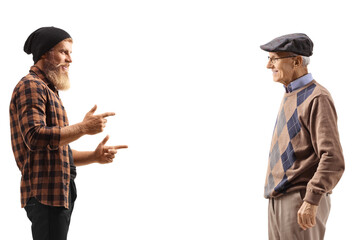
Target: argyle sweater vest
(305,151)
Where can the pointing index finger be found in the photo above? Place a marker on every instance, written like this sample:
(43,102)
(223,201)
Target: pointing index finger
(107,148)
(120,146)
(107,114)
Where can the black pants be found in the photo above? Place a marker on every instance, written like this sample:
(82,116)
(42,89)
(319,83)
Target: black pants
(50,223)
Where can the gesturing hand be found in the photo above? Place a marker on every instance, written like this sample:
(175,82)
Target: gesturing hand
(307,215)
(106,154)
(93,124)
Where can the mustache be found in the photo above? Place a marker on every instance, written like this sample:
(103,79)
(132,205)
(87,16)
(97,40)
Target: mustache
(62,64)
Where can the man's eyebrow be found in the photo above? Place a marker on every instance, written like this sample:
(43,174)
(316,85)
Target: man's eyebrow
(64,50)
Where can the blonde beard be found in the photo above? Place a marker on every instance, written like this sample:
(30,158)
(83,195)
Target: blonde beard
(60,80)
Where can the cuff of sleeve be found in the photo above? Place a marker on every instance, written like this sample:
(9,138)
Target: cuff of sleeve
(312,198)
(54,140)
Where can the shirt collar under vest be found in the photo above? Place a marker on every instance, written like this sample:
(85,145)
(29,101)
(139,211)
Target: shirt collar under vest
(298,83)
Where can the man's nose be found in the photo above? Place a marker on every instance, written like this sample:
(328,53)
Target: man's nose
(269,65)
(68,58)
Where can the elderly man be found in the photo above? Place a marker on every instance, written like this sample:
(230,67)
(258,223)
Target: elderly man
(40,136)
(306,160)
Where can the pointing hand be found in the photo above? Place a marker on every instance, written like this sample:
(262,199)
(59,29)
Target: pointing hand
(106,154)
(93,124)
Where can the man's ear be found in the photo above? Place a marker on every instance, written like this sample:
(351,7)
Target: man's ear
(298,62)
(45,55)
(40,62)
(42,58)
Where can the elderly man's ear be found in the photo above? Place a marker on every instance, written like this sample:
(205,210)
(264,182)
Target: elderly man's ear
(298,62)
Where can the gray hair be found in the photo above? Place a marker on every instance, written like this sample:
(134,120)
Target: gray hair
(305,60)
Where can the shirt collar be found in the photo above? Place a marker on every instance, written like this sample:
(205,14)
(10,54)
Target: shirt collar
(36,70)
(298,83)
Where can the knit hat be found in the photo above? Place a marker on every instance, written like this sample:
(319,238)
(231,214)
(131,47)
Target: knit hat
(42,40)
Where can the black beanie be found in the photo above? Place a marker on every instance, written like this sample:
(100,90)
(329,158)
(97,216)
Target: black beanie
(42,40)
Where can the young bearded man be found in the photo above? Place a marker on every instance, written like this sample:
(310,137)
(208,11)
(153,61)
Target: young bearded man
(40,136)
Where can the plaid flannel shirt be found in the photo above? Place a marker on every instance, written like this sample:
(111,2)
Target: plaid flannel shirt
(36,116)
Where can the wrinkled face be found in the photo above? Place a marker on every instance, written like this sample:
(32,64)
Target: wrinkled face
(283,69)
(56,64)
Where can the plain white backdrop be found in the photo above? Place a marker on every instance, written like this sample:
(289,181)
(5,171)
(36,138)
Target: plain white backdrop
(195,104)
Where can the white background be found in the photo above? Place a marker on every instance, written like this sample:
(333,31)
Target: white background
(194,102)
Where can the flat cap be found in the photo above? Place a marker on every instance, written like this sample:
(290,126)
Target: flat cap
(298,43)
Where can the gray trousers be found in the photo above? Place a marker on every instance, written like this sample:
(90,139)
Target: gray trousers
(282,222)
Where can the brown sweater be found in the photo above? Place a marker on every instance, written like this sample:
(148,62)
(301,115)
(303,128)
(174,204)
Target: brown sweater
(305,150)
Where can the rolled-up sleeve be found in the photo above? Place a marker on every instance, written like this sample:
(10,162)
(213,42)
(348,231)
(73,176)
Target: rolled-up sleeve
(31,108)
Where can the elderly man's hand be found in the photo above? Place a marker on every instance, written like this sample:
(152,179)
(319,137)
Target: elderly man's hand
(307,215)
